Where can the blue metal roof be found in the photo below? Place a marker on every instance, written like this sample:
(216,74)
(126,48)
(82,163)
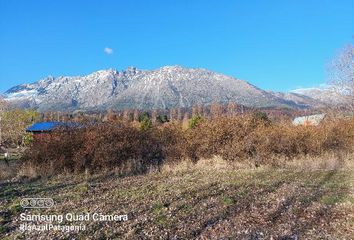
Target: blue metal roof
(50,126)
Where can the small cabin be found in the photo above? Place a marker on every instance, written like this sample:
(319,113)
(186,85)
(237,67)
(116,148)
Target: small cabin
(42,129)
(310,120)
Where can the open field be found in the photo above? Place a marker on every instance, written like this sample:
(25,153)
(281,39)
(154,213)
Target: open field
(205,201)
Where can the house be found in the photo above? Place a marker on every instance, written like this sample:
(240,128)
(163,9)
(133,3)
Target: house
(310,120)
(44,128)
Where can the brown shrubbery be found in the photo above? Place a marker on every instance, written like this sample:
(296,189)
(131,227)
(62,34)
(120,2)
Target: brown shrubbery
(130,149)
(264,142)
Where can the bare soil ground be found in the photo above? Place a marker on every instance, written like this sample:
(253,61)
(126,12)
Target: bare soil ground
(194,203)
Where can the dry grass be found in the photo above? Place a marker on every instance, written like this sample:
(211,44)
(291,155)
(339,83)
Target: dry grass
(215,163)
(328,161)
(207,200)
(325,162)
(9,169)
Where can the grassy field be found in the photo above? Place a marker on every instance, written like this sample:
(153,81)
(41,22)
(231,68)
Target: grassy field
(194,202)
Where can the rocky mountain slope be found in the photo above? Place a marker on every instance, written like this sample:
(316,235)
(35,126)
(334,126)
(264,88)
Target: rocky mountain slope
(301,100)
(327,95)
(166,87)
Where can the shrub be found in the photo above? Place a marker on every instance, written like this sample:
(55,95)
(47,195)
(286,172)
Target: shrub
(145,121)
(133,150)
(28,139)
(194,121)
(174,142)
(105,146)
(162,119)
(242,138)
(260,117)
(54,153)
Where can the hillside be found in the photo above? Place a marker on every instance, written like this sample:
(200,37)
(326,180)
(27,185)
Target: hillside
(326,95)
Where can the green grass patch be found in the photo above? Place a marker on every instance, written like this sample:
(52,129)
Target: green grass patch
(3,229)
(12,158)
(335,199)
(15,207)
(82,188)
(228,201)
(157,208)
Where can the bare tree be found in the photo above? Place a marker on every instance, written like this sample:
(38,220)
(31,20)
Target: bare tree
(154,116)
(126,115)
(179,114)
(194,110)
(185,120)
(200,110)
(215,110)
(173,114)
(110,116)
(231,109)
(2,109)
(341,76)
(136,115)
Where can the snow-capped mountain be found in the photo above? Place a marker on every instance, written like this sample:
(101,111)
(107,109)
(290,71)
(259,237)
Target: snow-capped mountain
(328,95)
(166,87)
(301,100)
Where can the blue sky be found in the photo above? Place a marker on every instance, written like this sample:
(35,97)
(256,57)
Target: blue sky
(276,45)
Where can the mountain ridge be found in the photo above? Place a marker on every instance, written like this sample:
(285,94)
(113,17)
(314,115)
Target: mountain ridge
(162,88)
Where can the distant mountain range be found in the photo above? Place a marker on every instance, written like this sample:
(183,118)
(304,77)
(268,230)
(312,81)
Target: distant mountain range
(163,88)
(327,95)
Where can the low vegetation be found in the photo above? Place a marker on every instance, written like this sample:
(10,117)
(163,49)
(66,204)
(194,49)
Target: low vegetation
(210,199)
(13,123)
(250,176)
(135,148)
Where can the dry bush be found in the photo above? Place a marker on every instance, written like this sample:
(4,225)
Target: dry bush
(173,141)
(247,137)
(231,138)
(54,153)
(123,147)
(129,149)
(8,169)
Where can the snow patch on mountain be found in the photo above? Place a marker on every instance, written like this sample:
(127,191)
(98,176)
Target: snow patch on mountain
(325,94)
(166,87)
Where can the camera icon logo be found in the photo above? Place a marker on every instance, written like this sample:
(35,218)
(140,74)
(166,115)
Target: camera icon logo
(37,202)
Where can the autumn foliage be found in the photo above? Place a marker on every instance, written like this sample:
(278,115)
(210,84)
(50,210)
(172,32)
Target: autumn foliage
(130,149)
